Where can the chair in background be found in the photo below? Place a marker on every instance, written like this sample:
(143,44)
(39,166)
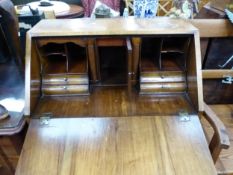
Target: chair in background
(11,80)
(129,5)
(9,24)
(164,7)
(220,139)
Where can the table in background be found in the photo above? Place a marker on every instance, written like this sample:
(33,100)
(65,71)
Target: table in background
(61,9)
(120,145)
(27,21)
(75,11)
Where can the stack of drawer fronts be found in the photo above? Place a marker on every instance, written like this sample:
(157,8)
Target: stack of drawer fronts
(162,82)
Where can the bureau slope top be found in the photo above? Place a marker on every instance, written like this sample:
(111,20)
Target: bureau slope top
(112,26)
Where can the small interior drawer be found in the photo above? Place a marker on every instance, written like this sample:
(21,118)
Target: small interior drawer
(168,76)
(65,90)
(65,79)
(163,87)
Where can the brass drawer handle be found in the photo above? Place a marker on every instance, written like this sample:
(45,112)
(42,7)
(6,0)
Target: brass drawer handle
(65,79)
(161,75)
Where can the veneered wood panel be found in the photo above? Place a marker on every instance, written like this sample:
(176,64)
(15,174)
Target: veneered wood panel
(116,146)
(194,74)
(212,28)
(114,102)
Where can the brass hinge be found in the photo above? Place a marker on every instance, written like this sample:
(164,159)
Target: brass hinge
(184,116)
(45,117)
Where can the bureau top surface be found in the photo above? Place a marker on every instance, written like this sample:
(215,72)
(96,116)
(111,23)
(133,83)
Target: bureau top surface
(112,26)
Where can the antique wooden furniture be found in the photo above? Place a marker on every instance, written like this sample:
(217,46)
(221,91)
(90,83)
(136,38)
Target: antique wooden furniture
(120,145)
(215,91)
(63,72)
(208,12)
(9,25)
(224,164)
(166,120)
(219,93)
(220,139)
(164,70)
(121,61)
(75,11)
(21,2)
(60,9)
(11,89)
(123,27)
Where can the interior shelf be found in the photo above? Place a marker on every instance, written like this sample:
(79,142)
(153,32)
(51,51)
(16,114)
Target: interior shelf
(174,44)
(113,65)
(172,62)
(54,64)
(63,58)
(64,69)
(149,64)
(167,54)
(77,62)
(53,49)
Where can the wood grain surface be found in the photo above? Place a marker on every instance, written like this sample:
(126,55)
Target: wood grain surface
(114,27)
(114,102)
(109,26)
(116,146)
(75,11)
(209,28)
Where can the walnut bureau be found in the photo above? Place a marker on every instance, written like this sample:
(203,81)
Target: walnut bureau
(175,79)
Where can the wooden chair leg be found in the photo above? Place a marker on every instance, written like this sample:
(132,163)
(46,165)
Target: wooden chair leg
(220,139)
(215,150)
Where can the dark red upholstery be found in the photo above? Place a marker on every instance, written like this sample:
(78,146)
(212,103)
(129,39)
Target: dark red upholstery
(89,5)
